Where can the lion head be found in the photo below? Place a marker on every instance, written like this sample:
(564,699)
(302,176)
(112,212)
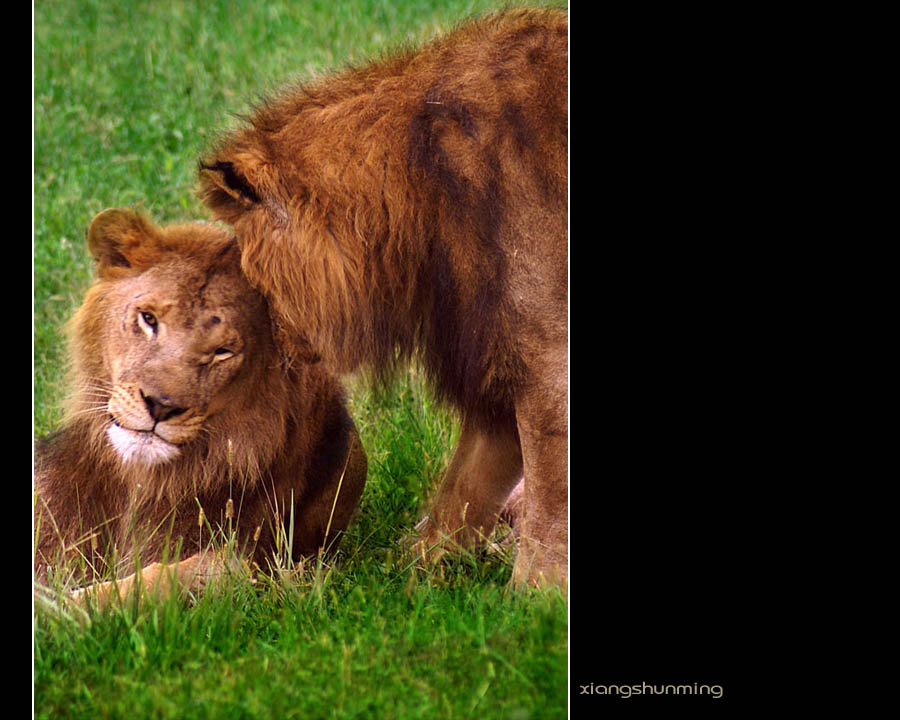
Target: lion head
(181,329)
(180,333)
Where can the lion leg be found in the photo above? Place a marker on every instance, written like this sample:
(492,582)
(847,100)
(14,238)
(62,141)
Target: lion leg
(543,557)
(158,579)
(485,467)
(321,519)
(348,491)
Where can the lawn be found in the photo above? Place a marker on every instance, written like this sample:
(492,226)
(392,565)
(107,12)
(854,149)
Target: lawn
(126,97)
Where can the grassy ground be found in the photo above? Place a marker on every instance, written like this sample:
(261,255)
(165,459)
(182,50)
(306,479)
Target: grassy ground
(126,96)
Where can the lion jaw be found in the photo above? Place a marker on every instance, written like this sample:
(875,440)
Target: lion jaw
(144,447)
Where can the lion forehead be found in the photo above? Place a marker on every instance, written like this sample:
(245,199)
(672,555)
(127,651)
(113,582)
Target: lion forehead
(192,298)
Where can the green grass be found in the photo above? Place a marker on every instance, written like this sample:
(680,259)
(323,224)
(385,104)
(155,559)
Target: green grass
(362,646)
(126,97)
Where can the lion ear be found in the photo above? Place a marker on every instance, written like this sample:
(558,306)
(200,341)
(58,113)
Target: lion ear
(118,239)
(226,190)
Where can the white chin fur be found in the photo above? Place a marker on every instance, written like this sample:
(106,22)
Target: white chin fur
(141,447)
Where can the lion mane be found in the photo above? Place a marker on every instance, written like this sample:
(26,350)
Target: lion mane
(416,208)
(180,400)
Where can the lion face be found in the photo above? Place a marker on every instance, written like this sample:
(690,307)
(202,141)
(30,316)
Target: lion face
(174,351)
(177,332)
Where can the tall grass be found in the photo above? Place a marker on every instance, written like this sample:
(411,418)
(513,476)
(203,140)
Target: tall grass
(126,97)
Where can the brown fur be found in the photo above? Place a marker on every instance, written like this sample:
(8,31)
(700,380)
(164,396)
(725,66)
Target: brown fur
(417,208)
(247,427)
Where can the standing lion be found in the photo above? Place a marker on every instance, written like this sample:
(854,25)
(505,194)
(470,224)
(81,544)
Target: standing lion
(417,208)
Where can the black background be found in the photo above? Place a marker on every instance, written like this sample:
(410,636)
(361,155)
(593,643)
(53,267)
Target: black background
(673,357)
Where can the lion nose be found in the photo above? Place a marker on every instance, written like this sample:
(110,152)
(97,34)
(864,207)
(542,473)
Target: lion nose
(161,408)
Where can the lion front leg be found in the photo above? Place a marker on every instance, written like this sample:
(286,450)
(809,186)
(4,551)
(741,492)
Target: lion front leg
(159,580)
(486,466)
(543,555)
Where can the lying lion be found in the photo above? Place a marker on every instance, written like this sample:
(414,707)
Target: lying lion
(184,422)
(417,207)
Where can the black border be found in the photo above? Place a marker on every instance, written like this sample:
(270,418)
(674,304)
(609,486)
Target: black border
(670,429)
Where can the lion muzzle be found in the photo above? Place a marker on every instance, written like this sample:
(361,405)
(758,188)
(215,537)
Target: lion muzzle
(149,429)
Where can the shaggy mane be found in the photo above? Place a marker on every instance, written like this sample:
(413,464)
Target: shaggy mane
(377,208)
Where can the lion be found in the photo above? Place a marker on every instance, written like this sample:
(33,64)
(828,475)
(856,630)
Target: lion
(415,208)
(183,408)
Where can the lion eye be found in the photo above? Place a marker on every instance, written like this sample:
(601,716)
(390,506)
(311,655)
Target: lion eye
(222,353)
(149,319)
